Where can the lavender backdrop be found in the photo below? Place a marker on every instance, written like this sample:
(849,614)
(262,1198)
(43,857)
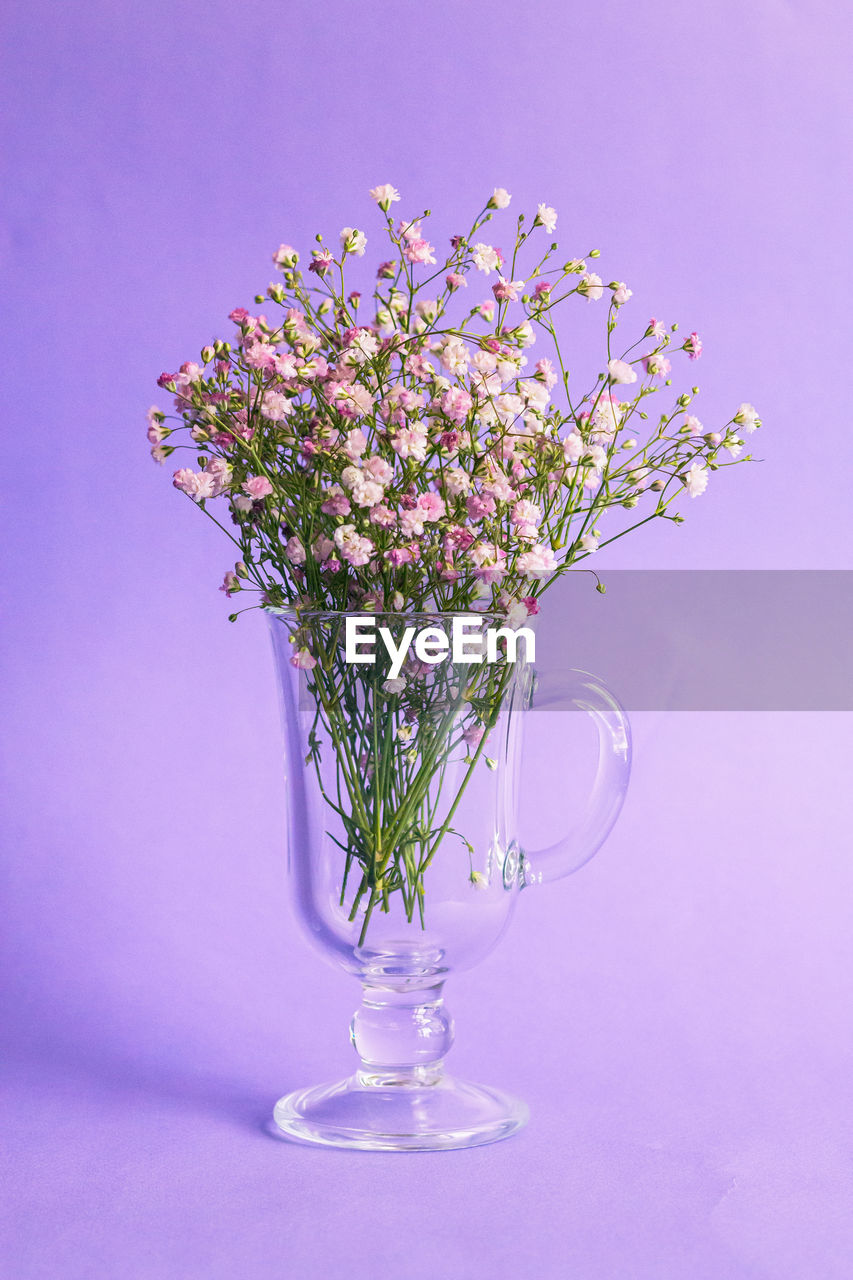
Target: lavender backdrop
(678,1014)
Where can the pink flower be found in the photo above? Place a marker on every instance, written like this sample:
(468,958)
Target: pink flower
(230,583)
(457,538)
(431,507)
(455,281)
(322,261)
(260,355)
(473,734)
(220,471)
(693,346)
(295,551)
(487,309)
(622,372)
(336,502)
(456,404)
(498,487)
(303,659)
(479,507)
(656,364)
(489,562)
(257,487)
(167,381)
(354,444)
(543,289)
(350,398)
(622,293)
(545,370)
(536,562)
(322,547)
(379,470)
(409,442)
(239,315)
(398,556)
(546,217)
(419,251)
(382,515)
(526,517)
(656,329)
(412,523)
(507,290)
(196,484)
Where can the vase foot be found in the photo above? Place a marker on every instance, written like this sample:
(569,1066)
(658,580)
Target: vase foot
(439,1116)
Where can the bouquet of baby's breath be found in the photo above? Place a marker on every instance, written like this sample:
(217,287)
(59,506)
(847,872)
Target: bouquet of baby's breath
(410,456)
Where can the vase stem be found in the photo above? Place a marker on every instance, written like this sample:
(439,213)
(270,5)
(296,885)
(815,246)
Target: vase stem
(401,1033)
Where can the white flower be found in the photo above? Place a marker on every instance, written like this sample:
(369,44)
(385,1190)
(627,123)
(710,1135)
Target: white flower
(396,685)
(353,241)
(352,546)
(622,372)
(696,480)
(546,217)
(591,286)
(536,562)
(500,198)
(485,257)
(573,447)
(733,446)
(457,481)
(747,417)
(589,542)
(384,195)
(622,293)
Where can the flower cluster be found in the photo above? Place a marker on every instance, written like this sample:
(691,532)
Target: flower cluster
(432,455)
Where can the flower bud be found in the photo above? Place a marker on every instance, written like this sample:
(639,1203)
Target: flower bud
(207,354)
(241,570)
(657,485)
(259,297)
(595,253)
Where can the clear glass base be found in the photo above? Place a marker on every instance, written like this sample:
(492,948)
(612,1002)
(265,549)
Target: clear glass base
(378,1114)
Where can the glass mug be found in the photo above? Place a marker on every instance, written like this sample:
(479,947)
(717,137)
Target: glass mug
(402,749)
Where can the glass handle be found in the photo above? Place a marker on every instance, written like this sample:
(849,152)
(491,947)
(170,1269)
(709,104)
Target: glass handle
(568,854)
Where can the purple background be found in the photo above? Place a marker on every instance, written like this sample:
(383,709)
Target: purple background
(679,1014)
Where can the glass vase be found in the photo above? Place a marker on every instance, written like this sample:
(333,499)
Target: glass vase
(402,790)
